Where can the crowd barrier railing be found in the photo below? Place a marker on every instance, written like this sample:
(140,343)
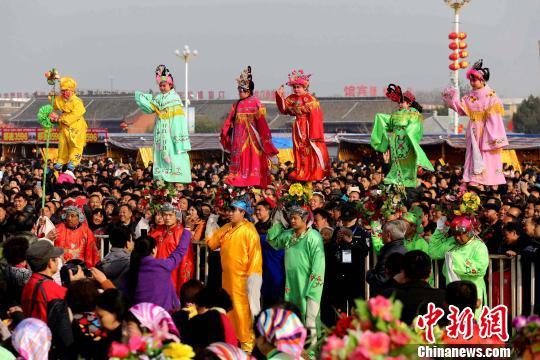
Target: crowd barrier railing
(498,264)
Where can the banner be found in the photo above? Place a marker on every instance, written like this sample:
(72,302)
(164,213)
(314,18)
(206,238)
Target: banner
(38,135)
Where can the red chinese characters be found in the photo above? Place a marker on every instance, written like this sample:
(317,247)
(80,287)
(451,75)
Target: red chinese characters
(429,321)
(492,322)
(461,323)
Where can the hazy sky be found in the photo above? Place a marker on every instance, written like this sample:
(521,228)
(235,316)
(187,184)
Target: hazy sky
(341,42)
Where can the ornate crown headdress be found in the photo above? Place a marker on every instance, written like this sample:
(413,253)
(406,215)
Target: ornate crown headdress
(393,92)
(245,79)
(298,77)
(478,71)
(163,74)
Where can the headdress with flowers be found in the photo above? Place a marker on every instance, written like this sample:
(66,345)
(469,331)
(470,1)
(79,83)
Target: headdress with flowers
(298,77)
(381,203)
(159,194)
(297,195)
(478,71)
(163,74)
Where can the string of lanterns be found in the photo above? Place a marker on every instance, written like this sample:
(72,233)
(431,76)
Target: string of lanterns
(459,54)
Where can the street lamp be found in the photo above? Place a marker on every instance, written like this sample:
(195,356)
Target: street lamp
(186,54)
(456,5)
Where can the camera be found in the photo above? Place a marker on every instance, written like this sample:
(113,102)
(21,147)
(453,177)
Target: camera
(72,266)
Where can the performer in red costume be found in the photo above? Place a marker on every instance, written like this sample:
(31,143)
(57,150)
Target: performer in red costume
(310,154)
(167,238)
(245,134)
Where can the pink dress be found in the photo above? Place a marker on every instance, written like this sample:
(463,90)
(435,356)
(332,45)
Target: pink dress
(485,134)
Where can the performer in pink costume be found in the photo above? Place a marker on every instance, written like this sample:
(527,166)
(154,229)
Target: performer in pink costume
(485,132)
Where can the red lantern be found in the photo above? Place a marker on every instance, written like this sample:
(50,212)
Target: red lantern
(462,35)
(463,54)
(453,66)
(453,56)
(453,45)
(453,36)
(462,45)
(464,64)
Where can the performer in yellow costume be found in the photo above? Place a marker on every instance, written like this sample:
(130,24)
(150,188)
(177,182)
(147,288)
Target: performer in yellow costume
(241,259)
(71,125)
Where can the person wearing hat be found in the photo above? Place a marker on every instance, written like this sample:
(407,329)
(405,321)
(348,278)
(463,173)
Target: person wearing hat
(71,125)
(304,264)
(465,254)
(76,238)
(43,259)
(348,250)
(311,161)
(241,260)
(492,226)
(171,135)
(245,134)
(485,134)
(167,238)
(401,133)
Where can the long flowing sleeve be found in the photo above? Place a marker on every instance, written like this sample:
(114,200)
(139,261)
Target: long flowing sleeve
(214,240)
(254,252)
(225,138)
(472,263)
(415,132)
(316,128)
(72,110)
(494,135)
(451,99)
(316,278)
(144,102)
(179,131)
(439,245)
(379,135)
(280,102)
(264,132)
(91,253)
(278,237)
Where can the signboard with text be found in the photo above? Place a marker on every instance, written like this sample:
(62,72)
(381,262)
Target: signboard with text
(38,135)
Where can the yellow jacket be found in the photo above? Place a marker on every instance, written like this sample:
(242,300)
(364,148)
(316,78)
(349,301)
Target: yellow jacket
(72,111)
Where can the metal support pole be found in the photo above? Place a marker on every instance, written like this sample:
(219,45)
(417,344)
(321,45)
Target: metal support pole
(512,285)
(186,96)
(456,72)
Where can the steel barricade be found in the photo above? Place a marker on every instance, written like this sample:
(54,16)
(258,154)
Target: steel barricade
(103,240)
(200,246)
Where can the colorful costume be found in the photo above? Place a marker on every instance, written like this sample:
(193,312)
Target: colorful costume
(245,134)
(402,131)
(241,258)
(485,132)
(71,126)
(304,267)
(171,140)
(310,153)
(78,243)
(462,262)
(167,240)
(283,329)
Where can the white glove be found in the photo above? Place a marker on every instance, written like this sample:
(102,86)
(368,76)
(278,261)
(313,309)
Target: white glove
(441,224)
(211,225)
(254,283)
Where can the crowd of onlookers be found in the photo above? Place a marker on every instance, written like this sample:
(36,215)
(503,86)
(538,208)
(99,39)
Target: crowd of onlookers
(52,267)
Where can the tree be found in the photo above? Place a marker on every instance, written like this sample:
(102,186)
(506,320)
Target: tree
(527,117)
(203,124)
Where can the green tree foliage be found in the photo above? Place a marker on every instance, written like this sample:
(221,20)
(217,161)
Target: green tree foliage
(527,117)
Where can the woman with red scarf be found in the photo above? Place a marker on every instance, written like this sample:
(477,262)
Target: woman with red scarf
(310,153)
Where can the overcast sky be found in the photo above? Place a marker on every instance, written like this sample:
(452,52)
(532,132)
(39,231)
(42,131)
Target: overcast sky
(342,42)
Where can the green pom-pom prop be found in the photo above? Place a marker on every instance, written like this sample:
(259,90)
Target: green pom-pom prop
(43,116)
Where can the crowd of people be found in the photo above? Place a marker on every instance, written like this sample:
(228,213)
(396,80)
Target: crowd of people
(100,263)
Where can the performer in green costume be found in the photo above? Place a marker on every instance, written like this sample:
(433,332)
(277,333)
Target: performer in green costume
(401,131)
(171,139)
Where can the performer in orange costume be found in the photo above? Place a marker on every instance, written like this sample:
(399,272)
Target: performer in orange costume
(76,238)
(310,153)
(167,237)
